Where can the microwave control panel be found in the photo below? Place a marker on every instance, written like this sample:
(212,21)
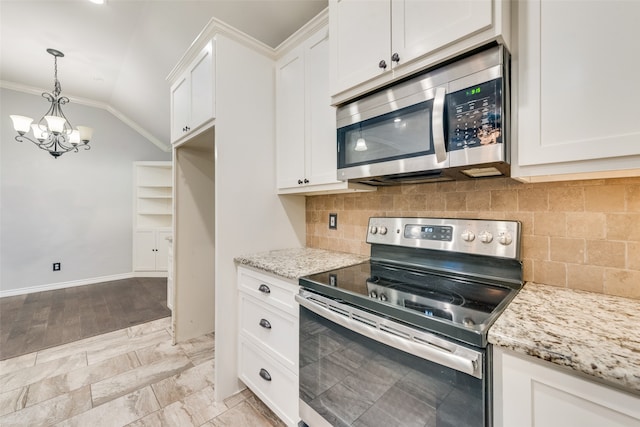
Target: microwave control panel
(475,115)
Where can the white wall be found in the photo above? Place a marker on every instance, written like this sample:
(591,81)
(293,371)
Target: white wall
(76,210)
(250,217)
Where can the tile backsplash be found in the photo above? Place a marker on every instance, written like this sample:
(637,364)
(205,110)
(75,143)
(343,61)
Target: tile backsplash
(577,234)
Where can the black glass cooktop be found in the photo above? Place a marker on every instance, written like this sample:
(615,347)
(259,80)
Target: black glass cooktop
(453,306)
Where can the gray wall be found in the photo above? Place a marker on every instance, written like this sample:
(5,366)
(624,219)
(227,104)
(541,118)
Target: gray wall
(76,209)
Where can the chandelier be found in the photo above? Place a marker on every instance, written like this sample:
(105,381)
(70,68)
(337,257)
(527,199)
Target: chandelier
(53,132)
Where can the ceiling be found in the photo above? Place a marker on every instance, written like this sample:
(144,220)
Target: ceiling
(118,55)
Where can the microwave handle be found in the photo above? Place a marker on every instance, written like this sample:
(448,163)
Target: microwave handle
(438,125)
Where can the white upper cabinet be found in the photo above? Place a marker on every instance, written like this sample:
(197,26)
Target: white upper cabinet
(193,95)
(306,121)
(374,42)
(577,91)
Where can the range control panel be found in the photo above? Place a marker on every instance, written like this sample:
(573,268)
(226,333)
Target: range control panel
(474,236)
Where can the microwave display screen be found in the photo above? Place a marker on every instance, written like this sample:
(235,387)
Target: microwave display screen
(400,134)
(475,116)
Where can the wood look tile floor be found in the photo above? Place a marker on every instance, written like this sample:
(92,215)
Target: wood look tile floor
(128,377)
(32,322)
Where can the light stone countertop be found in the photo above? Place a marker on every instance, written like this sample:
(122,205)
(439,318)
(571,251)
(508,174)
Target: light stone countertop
(299,262)
(595,334)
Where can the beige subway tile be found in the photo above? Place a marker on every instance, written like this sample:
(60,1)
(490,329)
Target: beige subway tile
(585,277)
(446,186)
(623,227)
(504,200)
(563,249)
(566,199)
(349,203)
(633,255)
(478,201)
(436,202)
(606,253)
(550,224)
(632,197)
(604,198)
(527,270)
(466,186)
(418,202)
(495,184)
(624,283)
(535,247)
(550,273)
(533,200)
(590,225)
(525,218)
(456,202)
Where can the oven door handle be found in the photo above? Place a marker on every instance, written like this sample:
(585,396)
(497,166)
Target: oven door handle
(447,354)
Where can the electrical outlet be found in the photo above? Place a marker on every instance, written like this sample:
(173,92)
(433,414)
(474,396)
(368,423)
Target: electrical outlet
(333,221)
(56,266)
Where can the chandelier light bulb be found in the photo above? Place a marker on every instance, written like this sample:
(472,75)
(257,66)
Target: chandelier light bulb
(74,138)
(21,123)
(85,133)
(55,124)
(40,133)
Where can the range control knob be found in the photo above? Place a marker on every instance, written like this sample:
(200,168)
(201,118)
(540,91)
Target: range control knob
(505,238)
(468,236)
(486,237)
(382,230)
(373,229)
(383,297)
(373,294)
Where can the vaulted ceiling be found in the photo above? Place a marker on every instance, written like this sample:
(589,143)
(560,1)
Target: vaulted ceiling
(118,55)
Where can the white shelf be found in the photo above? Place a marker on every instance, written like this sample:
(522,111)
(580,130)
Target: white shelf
(153,213)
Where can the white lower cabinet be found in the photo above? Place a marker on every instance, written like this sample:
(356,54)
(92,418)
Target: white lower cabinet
(151,250)
(529,392)
(268,341)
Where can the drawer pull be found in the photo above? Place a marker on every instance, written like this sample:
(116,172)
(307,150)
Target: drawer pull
(264,289)
(265,374)
(265,323)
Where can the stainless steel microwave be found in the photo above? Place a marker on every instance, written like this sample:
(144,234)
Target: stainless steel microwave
(448,123)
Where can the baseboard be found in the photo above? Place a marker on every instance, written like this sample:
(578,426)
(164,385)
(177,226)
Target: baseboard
(62,285)
(149,274)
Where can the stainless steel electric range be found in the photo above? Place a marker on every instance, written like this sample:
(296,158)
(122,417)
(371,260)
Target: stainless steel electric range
(402,339)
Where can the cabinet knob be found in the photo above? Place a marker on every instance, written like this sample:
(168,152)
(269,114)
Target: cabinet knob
(395,57)
(264,289)
(265,374)
(265,323)
(382,64)
(299,181)
(306,181)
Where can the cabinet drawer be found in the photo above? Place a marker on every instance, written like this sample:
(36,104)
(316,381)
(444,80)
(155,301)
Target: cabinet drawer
(269,290)
(280,393)
(266,327)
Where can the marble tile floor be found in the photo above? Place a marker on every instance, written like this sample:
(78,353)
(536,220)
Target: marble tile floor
(129,377)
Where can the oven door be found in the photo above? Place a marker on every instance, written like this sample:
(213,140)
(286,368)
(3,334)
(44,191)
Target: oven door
(357,369)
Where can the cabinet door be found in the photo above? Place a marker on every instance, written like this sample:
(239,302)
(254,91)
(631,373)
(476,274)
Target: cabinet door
(180,107)
(420,27)
(202,95)
(532,393)
(360,39)
(290,121)
(321,150)
(577,89)
(162,252)
(145,250)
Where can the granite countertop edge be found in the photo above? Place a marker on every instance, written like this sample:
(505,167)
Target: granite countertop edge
(553,324)
(299,262)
